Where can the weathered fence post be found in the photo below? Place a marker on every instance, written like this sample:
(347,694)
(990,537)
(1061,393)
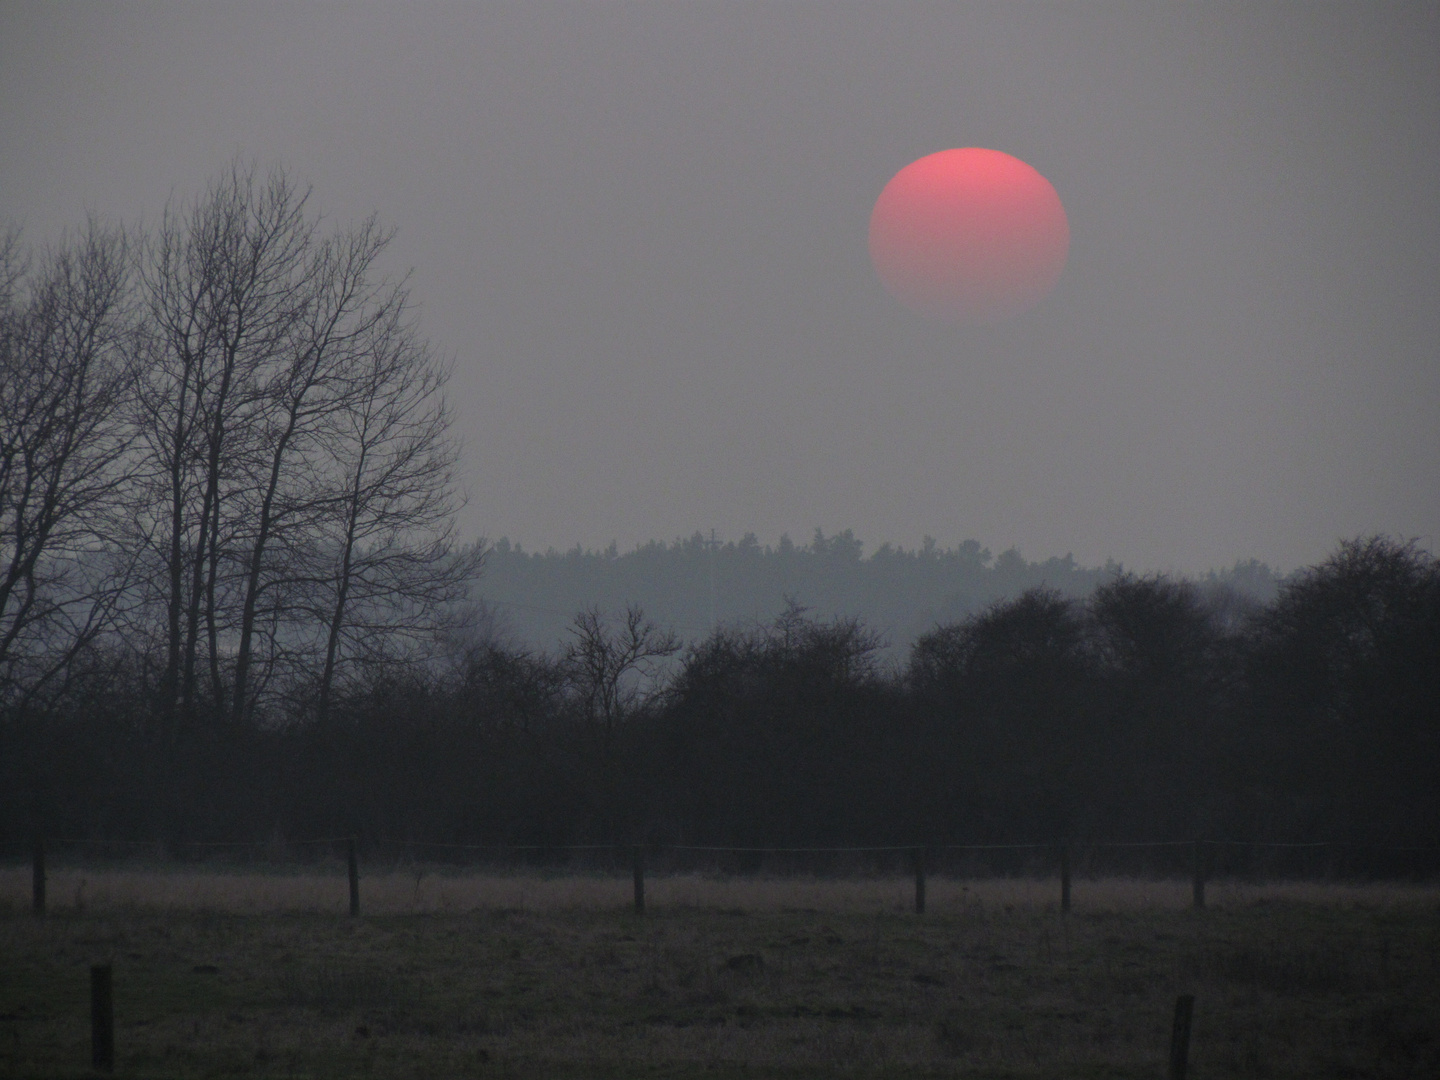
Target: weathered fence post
(919,881)
(37,877)
(1064,875)
(102,1019)
(1197,870)
(354,868)
(638,868)
(1180,1036)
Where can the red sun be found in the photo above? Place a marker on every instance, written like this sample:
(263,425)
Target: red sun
(969,236)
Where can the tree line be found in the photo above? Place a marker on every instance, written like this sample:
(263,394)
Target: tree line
(694,583)
(1144,712)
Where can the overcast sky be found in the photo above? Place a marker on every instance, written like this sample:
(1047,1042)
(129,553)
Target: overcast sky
(639,231)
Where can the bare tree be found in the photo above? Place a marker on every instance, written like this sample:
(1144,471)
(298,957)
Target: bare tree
(298,438)
(64,333)
(356,387)
(225,286)
(393,566)
(613,669)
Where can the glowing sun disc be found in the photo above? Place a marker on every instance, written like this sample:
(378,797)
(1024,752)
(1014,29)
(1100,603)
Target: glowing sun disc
(969,236)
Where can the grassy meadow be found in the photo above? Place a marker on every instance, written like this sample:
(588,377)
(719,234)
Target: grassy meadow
(529,975)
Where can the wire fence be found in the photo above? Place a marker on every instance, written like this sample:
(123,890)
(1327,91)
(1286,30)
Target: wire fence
(1245,859)
(1199,860)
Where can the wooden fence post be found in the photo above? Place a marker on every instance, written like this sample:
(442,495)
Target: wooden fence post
(37,877)
(102,1019)
(1064,875)
(354,868)
(919,881)
(1197,871)
(639,874)
(1180,1036)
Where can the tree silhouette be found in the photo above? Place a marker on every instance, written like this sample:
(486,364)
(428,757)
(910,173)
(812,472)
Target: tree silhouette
(65,330)
(1343,689)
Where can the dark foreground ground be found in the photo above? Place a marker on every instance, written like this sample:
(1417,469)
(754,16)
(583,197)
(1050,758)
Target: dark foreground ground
(1283,988)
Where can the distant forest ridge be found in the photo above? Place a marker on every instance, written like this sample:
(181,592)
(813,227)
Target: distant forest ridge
(692,585)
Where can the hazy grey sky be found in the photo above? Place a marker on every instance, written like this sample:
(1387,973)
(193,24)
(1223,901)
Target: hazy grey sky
(640,231)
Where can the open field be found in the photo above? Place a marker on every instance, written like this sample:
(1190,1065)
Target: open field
(526,975)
